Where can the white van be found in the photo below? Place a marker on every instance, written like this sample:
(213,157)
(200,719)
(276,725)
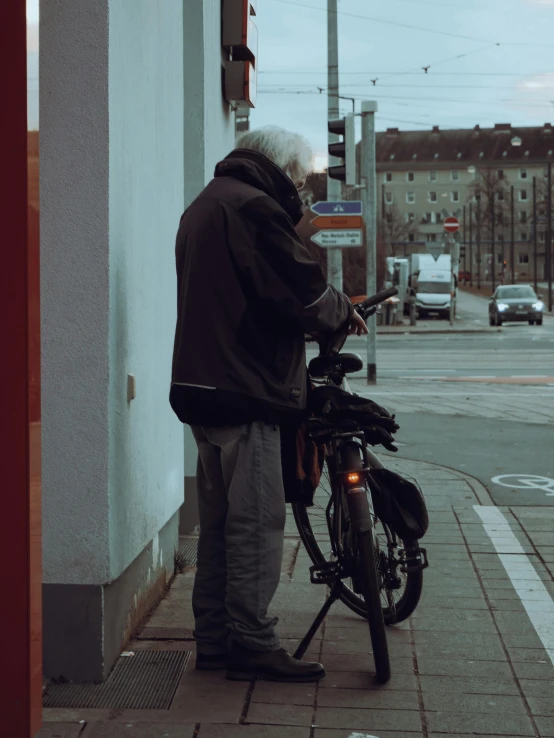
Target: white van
(434,293)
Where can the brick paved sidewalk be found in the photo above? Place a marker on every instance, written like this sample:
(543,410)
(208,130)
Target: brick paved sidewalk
(468,662)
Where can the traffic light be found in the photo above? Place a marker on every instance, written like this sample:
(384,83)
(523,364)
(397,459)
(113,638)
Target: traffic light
(345,149)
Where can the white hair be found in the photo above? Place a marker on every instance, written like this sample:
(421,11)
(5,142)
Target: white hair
(291,152)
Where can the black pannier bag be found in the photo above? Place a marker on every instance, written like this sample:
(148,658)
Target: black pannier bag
(399,503)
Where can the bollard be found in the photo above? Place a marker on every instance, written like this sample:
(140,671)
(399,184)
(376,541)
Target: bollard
(413,308)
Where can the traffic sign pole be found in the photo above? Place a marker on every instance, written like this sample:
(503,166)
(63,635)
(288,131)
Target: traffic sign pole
(334,190)
(368,173)
(452,226)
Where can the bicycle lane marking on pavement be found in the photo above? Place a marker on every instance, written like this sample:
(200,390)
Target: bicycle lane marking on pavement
(526,581)
(526,481)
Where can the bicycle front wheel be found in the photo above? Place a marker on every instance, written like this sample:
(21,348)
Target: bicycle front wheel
(365,576)
(369,586)
(400,597)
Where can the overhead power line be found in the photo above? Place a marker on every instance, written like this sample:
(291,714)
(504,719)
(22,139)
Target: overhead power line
(386,86)
(438,100)
(397,24)
(405,74)
(381,20)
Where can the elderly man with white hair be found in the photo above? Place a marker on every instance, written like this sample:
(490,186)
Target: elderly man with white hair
(248,292)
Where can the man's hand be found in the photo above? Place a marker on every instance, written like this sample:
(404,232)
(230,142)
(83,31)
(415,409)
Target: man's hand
(357,325)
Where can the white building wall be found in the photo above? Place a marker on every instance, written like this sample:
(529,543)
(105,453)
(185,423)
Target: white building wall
(146,197)
(75,294)
(133,125)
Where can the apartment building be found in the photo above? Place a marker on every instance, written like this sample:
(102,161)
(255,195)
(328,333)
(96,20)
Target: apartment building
(426,175)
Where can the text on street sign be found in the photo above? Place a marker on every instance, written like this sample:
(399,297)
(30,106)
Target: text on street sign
(338,222)
(328,238)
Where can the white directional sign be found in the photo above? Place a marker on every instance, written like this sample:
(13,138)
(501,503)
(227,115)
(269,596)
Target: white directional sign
(338,238)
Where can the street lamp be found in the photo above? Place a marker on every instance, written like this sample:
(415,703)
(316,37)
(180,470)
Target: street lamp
(517,141)
(472,169)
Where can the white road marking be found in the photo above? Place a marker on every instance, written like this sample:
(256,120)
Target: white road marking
(526,581)
(530,376)
(526,481)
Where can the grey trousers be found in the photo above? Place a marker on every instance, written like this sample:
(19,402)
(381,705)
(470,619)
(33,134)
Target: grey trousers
(242,519)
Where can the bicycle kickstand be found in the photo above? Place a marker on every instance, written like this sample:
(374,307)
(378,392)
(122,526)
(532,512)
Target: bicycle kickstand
(320,617)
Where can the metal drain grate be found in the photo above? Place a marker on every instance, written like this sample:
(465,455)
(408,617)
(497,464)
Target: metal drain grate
(188,550)
(146,681)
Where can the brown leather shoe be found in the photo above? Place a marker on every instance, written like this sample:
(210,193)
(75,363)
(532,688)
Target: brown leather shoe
(209,662)
(277,666)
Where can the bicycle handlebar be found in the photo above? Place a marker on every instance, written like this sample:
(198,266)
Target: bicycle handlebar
(378,298)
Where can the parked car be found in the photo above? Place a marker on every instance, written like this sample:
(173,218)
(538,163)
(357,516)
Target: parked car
(515,302)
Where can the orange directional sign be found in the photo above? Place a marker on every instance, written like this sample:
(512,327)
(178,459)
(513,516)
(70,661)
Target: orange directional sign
(338,222)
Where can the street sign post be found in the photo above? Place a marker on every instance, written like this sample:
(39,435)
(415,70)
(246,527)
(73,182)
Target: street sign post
(451,224)
(338,239)
(338,222)
(347,207)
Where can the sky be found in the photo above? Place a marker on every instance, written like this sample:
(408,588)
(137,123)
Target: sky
(490,61)
(471,80)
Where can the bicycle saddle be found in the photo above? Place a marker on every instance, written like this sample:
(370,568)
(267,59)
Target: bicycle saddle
(322,366)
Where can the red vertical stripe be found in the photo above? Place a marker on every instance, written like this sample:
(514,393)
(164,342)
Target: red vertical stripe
(20,578)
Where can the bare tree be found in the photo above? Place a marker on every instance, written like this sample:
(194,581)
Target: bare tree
(393,227)
(491,207)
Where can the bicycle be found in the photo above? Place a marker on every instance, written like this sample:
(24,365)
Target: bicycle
(385,574)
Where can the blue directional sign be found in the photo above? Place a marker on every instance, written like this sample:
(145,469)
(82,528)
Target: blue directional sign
(347,207)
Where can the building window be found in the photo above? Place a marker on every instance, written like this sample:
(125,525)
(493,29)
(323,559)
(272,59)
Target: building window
(455,175)
(432,197)
(523,216)
(499,258)
(455,196)
(523,258)
(409,176)
(523,173)
(542,237)
(410,198)
(500,173)
(523,195)
(500,196)
(523,236)
(431,237)
(438,217)
(433,176)
(411,237)
(388,176)
(389,198)
(410,217)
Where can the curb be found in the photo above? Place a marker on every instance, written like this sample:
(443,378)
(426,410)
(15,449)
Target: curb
(479,489)
(424,331)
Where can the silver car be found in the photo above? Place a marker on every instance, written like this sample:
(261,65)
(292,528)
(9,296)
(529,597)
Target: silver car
(515,302)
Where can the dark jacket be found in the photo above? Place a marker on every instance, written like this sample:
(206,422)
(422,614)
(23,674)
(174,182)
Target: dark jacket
(248,292)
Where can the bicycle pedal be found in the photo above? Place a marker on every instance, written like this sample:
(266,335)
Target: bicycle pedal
(416,560)
(325,573)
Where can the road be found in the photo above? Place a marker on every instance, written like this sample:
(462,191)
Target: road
(481,403)
(517,350)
